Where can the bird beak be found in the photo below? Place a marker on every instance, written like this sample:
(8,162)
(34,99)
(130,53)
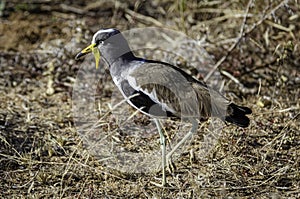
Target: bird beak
(91,48)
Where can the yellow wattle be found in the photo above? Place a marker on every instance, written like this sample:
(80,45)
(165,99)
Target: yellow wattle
(96,53)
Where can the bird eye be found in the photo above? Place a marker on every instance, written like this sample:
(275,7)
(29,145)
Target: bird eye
(99,42)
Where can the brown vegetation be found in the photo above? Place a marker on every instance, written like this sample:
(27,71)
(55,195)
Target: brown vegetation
(256,48)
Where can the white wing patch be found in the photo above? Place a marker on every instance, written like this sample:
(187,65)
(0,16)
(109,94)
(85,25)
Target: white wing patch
(152,94)
(154,97)
(132,82)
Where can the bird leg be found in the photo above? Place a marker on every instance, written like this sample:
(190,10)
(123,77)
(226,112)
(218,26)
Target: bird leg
(165,156)
(189,134)
(163,151)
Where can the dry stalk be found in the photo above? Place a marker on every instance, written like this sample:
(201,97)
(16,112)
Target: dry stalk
(244,33)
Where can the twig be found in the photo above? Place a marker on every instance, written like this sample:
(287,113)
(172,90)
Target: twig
(146,19)
(223,18)
(278,26)
(112,109)
(72,9)
(227,74)
(243,33)
(237,41)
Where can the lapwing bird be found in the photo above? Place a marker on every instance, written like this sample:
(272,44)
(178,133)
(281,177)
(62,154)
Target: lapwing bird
(161,90)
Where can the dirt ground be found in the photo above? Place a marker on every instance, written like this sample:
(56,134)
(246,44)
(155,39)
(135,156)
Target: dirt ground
(255,45)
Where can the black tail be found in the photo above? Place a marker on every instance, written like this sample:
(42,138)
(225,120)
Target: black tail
(237,115)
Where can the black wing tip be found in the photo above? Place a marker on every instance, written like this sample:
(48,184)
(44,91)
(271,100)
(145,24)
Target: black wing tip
(240,109)
(237,115)
(241,121)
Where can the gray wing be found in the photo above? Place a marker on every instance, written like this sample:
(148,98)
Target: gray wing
(168,87)
(211,102)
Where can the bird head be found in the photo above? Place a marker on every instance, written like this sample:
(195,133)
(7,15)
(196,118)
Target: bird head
(108,42)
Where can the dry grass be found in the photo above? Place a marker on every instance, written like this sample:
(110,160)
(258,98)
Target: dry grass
(256,48)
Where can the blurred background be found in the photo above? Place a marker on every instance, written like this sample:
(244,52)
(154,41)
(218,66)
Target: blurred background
(254,45)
